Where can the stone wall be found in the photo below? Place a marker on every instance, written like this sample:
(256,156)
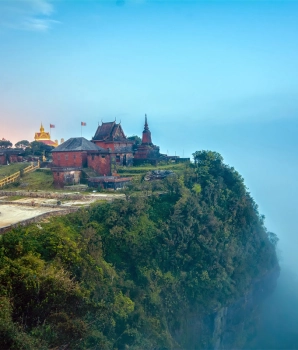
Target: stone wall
(66,177)
(38,218)
(33,204)
(53,195)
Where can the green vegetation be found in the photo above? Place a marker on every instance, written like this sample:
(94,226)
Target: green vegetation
(38,149)
(129,274)
(22,144)
(142,170)
(13,198)
(137,140)
(40,179)
(6,170)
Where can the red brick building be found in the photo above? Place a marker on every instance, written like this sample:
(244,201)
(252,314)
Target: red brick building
(100,162)
(111,136)
(75,154)
(3,159)
(11,155)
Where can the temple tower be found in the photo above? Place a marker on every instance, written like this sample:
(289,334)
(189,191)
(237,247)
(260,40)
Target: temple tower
(146,152)
(146,138)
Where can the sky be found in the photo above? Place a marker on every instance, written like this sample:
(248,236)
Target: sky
(213,75)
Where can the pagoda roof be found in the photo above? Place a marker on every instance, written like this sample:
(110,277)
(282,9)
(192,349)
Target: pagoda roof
(110,131)
(42,136)
(78,144)
(48,142)
(11,151)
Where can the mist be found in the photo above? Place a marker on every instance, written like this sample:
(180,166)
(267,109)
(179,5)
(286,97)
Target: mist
(217,76)
(279,317)
(264,154)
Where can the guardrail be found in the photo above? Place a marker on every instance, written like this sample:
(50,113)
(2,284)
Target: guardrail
(12,178)
(9,179)
(31,167)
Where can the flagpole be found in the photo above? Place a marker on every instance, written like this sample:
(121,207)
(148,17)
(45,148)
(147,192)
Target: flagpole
(81,129)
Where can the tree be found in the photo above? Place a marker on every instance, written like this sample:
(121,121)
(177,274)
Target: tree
(273,238)
(38,148)
(137,140)
(5,144)
(207,157)
(22,144)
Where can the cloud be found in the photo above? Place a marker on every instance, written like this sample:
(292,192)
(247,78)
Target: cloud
(32,15)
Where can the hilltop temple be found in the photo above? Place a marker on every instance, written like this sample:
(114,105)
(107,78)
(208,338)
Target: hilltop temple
(45,137)
(147,151)
(111,136)
(99,160)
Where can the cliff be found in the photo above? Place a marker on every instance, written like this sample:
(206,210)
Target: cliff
(176,265)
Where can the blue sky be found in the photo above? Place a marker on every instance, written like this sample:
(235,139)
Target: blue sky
(210,75)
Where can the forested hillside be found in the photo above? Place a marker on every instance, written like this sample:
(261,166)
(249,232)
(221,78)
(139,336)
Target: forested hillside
(127,274)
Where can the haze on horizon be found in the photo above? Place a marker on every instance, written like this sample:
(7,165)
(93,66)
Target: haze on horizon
(213,75)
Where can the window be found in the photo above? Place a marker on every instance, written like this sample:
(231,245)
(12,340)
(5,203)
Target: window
(117,159)
(66,156)
(103,156)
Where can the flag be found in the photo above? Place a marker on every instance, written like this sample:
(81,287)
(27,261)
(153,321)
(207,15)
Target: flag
(83,124)
(52,126)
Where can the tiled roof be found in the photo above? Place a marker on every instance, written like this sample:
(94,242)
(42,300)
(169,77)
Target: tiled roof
(78,144)
(48,142)
(110,131)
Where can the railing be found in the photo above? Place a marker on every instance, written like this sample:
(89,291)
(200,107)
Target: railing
(12,178)
(31,167)
(9,179)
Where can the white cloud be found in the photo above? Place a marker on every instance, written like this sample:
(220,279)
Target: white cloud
(26,14)
(41,6)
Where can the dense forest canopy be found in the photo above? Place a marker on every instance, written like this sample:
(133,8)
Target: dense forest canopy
(127,274)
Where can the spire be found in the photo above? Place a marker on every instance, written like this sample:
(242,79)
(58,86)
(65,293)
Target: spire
(41,128)
(146,133)
(146,123)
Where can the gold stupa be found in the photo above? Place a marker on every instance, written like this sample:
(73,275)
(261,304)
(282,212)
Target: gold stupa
(45,137)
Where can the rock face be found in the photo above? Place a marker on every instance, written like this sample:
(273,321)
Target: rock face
(158,174)
(232,327)
(237,324)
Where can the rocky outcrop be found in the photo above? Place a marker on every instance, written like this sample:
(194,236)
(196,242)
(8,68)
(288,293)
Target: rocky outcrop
(158,174)
(237,324)
(231,327)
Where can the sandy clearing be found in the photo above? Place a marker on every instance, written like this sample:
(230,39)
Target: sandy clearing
(12,214)
(37,201)
(23,209)
(106,195)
